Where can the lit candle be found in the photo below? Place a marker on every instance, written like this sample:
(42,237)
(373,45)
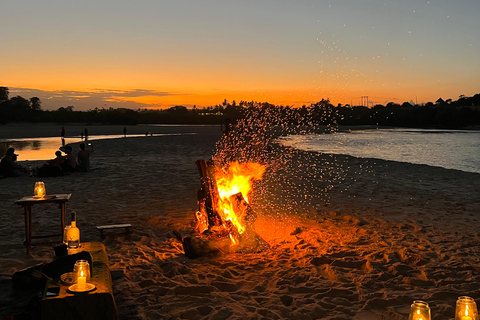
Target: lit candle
(417,316)
(466,309)
(81,282)
(419,310)
(466,316)
(39,189)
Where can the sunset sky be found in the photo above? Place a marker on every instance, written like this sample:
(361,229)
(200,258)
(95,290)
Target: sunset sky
(156,54)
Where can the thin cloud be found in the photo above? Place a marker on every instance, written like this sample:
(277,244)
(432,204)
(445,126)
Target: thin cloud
(96,98)
(80,97)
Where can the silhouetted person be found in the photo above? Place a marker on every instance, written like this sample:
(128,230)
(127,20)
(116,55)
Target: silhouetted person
(83,157)
(58,161)
(62,135)
(9,166)
(124,131)
(86,133)
(70,163)
(53,167)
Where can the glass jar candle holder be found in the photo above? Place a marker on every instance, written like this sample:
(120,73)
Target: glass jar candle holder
(82,269)
(466,309)
(419,310)
(39,191)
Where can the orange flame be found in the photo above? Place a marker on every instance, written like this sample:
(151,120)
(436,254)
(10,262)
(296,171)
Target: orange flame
(238,177)
(234,242)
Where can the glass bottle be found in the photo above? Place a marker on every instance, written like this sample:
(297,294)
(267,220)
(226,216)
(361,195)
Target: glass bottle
(65,234)
(73,234)
(419,310)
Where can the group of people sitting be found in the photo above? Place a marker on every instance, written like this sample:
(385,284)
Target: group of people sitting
(64,164)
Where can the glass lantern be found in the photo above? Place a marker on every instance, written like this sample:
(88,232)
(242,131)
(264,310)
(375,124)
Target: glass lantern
(39,191)
(82,269)
(466,309)
(419,310)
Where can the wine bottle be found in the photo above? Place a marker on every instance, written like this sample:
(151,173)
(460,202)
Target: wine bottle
(73,234)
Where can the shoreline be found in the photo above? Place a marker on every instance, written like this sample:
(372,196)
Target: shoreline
(18,129)
(47,130)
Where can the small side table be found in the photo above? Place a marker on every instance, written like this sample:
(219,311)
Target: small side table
(28,202)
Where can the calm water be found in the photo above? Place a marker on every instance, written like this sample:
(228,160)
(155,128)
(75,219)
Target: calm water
(449,149)
(32,149)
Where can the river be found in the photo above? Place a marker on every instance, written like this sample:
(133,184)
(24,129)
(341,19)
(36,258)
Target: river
(451,149)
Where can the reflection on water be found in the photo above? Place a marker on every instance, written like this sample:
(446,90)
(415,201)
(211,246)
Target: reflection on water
(29,147)
(19,145)
(451,149)
(33,149)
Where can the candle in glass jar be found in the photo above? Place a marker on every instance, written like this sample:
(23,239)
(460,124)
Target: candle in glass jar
(466,309)
(39,190)
(419,310)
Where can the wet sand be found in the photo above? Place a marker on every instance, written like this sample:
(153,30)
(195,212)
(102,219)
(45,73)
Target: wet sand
(385,234)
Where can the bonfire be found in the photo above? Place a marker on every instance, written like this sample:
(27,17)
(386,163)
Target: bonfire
(224,221)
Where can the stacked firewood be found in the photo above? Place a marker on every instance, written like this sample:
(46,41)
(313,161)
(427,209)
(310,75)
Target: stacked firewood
(212,235)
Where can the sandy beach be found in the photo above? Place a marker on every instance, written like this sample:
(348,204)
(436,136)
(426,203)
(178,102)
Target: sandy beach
(380,235)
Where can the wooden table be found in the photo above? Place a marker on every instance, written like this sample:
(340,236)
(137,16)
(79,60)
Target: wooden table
(97,304)
(28,202)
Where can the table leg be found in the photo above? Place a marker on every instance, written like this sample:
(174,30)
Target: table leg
(63,209)
(28,225)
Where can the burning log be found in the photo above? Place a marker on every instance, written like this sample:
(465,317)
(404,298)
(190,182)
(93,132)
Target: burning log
(208,196)
(222,224)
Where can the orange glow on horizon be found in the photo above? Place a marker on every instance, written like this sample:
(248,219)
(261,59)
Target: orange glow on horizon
(166,97)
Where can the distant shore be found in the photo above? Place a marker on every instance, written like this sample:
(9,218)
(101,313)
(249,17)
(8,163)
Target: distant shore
(37,130)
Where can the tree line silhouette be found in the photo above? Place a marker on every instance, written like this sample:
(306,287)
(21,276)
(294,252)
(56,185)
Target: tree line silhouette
(463,112)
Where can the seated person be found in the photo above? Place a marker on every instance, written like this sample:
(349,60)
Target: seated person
(53,167)
(70,163)
(84,158)
(8,165)
(58,161)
